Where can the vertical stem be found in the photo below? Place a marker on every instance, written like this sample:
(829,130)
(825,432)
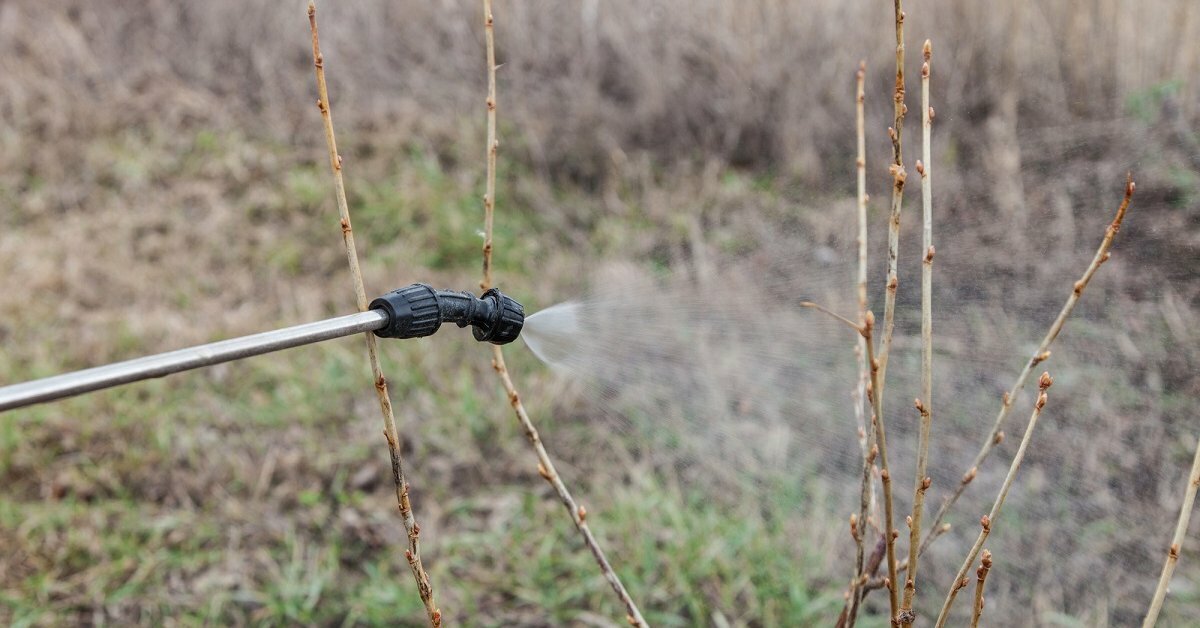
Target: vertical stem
(981,577)
(413,553)
(493,145)
(896,132)
(1185,514)
(925,404)
(867,438)
(885,473)
(986,522)
(545,464)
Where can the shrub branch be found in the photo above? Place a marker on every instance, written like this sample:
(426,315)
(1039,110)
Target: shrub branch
(924,404)
(413,553)
(1041,354)
(545,465)
(867,432)
(988,520)
(985,565)
(1181,527)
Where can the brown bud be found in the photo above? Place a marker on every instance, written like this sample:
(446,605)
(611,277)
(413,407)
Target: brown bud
(908,521)
(582,513)
(926,483)
(919,406)
(987,559)
(1041,401)
(999,438)
(985,522)
(895,534)
(970,475)
(929,253)
(892,133)
(1041,357)
(920,168)
(1129,187)
(1045,381)
(944,529)
(932,113)
(854,525)
(885,475)
(927,50)
(542,471)
(925,70)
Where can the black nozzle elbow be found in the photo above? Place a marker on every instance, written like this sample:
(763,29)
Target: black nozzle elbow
(419,310)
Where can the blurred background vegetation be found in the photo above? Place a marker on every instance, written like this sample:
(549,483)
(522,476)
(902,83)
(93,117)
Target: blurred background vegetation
(163,182)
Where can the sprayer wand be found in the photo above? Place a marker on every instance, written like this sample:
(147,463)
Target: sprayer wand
(411,312)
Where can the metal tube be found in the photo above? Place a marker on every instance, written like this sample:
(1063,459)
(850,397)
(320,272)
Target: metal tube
(87,380)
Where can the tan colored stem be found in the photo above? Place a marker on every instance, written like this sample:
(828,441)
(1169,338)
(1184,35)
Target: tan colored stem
(989,520)
(1041,354)
(413,553)
(885,474)
(924,405)
(981,577)
(867,438)
(545,464)
(896,132)
(1181,527)
(493,145)
(550,474)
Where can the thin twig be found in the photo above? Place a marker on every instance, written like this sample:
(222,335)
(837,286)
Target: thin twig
(493,145)
(1185,513)
(412,554)
(545,465)
(988,520)
(896,133)
(885,474)
(1041,354)
(925,404)
(867,432)
(828,312)
(985,565)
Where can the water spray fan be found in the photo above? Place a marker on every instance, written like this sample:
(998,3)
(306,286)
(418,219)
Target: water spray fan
(414,311)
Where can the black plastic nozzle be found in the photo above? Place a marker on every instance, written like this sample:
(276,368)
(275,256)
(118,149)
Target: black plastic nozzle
(419,310)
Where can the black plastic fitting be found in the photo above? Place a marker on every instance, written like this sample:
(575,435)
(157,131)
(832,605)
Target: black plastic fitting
(419,310)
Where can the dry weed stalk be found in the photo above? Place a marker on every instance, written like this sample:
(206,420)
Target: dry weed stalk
(985,565)
(896,132)
(1185,513)
(545,464)
(413,553)
(988,520)
(1041,354)
(925,403)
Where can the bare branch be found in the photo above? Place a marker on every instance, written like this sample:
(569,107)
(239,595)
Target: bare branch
(545,464)
(1041,354)
(988,520)
(1185,513)
(413,553)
